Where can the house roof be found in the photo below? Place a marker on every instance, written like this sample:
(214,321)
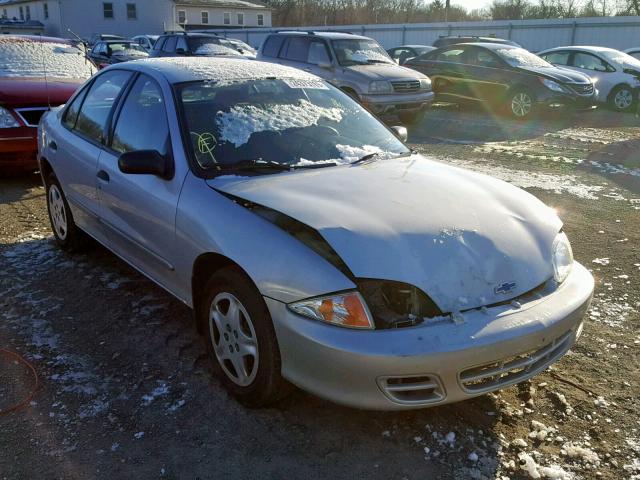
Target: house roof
(239,4)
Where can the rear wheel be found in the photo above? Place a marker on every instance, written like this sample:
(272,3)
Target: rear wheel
(520,104)
(65,231)
(621,98)
(241,339)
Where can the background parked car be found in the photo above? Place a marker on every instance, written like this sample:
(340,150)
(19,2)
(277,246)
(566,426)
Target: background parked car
(105,36)
(109,52)
(242,47)
(146,41)
(505,76)
(634,52)
(405,52)
(446,41)
(358,66)
(36,73)
(611,70)
(192,44)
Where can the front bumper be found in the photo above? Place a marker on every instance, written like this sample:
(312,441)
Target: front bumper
(559,101)
(397,103)
(18,147)
(380,369)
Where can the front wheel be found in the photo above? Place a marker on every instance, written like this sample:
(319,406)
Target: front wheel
(241,340)
(65,231)
(621,98)
(520,105)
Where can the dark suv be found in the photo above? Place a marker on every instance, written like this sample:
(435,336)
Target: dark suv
(357,65)
(191,45)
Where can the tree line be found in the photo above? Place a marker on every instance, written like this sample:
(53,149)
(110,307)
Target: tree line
(346,12)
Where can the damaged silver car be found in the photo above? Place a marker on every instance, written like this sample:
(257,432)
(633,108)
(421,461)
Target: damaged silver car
(314,247)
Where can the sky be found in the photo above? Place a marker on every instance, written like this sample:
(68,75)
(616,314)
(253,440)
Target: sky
(471,4)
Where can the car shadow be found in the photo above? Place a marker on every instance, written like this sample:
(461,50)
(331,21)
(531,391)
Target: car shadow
(15,186)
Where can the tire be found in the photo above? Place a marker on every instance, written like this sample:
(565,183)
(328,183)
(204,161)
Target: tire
(254,378)
(67,234)
(621,98)
(412,118)
(520,104)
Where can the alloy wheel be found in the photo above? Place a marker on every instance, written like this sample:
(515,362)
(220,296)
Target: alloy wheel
(623,99)
(58,212)
(521,104)
(234,339)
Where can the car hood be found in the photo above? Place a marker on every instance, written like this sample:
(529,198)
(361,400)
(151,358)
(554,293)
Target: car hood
(457,235)
(34,91)
(563,75)
(380,71)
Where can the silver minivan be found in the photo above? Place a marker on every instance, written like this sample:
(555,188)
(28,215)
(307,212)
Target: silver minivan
(357,65)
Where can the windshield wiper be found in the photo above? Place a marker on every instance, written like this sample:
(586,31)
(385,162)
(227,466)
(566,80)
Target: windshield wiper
(257,164)
(369,156)
(374,60)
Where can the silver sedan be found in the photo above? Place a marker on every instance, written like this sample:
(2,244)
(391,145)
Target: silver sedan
(314,247)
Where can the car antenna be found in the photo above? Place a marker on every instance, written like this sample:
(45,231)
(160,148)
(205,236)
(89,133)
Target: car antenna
(44,70)
(85,49)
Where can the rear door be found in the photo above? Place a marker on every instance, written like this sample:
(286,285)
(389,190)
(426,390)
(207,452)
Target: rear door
(139,210)
(79,143)
(309,54)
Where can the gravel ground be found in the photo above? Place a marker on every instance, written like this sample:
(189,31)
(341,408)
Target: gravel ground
(125,389)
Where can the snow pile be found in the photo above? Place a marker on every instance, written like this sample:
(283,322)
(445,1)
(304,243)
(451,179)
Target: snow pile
(601,402)
(241,121)
(601,261)
(539,431)
(585,454)
(531,467)
(562,400)
(24,58)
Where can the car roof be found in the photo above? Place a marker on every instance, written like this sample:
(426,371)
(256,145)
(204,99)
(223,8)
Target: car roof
(123,40)
(214,69)
(329,35)
(188,34)
(590,48)
(414,46)
(487,45)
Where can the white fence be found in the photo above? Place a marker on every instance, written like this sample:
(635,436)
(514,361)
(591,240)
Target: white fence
(534,35)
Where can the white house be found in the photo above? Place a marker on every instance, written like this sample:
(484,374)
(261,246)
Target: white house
(134,17)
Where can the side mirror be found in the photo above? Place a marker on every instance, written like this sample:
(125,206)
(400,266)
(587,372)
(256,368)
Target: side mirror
(146,162)
(181,51)
(325,65)
(400,132)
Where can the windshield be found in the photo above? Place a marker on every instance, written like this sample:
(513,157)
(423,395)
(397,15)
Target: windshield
(211,49)
(24,58)
(621,58)
(295,122)
(359,52)
(519,57)
(126,48)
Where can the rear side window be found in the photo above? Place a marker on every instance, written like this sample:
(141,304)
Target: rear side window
(297,49)
(589,62)
(159,43)
(95,110)
(142,123)
(272,45)
(557,58)
(170,44)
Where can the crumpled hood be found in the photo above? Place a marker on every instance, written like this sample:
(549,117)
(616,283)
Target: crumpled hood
(457,235)
(382,71)
(563,75)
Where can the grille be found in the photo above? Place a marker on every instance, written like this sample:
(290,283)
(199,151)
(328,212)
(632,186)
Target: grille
(582,88)
(406,86)
(31,116)
(413,389)
(513,369)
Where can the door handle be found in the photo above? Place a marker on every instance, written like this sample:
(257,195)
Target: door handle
(104,176)
(53,145)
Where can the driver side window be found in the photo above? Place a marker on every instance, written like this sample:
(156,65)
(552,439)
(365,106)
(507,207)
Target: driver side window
(318,53)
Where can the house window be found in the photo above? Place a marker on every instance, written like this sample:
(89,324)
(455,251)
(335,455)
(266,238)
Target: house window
(227,18)
(22,14)
(260,19)
(28,12)
(45,6)
(205,18)
(132,13)
(241,19)
(182,17)
(107,10)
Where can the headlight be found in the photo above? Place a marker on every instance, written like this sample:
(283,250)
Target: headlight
(425,84)
(551,85)
(345,310)
(562,258)
(380,86)
(7,120)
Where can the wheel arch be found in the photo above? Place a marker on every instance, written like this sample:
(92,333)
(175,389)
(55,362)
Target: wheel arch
(45,169)
(616,87)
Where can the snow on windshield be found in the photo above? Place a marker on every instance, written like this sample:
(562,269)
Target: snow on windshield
(23,58)
(348,154)
(519,57)
(130,52)
(215,49)
(370,55)
(241,121)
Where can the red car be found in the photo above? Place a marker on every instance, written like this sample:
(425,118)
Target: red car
(36,73)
